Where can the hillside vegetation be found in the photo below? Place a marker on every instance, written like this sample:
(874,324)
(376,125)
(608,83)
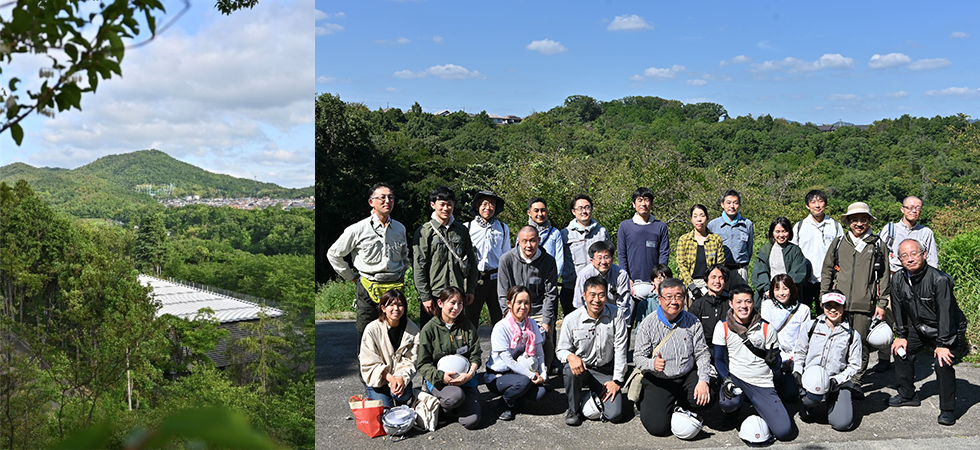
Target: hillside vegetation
(107,187)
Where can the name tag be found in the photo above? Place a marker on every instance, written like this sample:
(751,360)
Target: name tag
(651,244)
(493,276)
(462,350)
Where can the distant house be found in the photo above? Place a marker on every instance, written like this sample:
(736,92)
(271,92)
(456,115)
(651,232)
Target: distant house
(505,120)
(185,301)
(841,124)
(444,112)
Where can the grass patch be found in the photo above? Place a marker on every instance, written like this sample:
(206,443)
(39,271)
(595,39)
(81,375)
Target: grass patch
(960,258)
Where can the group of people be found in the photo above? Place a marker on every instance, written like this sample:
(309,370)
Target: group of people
(714,333)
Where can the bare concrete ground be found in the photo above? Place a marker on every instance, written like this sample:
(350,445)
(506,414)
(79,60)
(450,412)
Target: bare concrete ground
(542,425)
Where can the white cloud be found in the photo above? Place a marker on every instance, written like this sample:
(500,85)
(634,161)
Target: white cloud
(796,65)
(636,78)
(408,74)
(319,15)
(547,47)
(393,89)
(662,74)
(697,82)
(328,28)
(402,40)
(954,92)
(888,61)
(446,72)
(212,101)
(930,64)
(899,94)
(765,45)
(629,23)
(437,38)
(842,97)
(326,79)
(958,35)
(740,59)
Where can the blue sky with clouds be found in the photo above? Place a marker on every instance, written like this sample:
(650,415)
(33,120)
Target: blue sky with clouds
(225,93)
(804,61)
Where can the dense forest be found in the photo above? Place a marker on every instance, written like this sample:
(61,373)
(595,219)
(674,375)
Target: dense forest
(74,323)
(115,186)
(686,153)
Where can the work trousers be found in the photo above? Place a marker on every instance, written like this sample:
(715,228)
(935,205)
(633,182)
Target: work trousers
(485,293)
(464,400)
(593,379)
(766,402)
(945,375)
(515,388)
(661,395)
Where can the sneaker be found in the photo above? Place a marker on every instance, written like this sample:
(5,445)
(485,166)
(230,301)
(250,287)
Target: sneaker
(573,419)
(805,415)
(897,400)
(505,411)
(947,418)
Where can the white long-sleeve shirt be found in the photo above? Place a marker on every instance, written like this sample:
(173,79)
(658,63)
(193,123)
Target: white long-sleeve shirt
(814,238)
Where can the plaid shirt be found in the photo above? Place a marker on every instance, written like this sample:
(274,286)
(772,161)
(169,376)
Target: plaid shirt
(687,253)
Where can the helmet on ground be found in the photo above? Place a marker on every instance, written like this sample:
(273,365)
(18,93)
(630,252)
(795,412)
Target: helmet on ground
(880,335)
(529,363)
(398,420)
(754,431)
(453,363)
(592,407)
(685,424)
(816,382)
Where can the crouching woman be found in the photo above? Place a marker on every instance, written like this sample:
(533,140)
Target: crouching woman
(389,349)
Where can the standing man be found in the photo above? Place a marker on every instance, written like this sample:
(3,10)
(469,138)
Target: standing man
(549,236)
(600,255)
(443,254)
(642,240)
(893,234)
(856,265)
(814,234)
(491,239)
(926,313)
(528,266)
(737,236)
(593,347)
(581,233)
(378,246)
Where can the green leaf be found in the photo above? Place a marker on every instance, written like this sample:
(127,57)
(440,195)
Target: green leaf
(217,426)
(13,84)
(17,133)
(116,46)
(71,51)
(92,438)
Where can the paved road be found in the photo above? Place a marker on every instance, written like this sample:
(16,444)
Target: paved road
(542,426)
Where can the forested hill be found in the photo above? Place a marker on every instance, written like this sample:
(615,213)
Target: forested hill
(109,186)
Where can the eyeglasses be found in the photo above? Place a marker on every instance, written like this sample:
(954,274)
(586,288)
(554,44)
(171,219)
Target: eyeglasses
(912,254)
(606,258)
(674,298)
(583,208)
(912,208)
(390,198)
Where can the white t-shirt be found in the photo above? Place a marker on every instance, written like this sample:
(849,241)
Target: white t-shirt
(741,361)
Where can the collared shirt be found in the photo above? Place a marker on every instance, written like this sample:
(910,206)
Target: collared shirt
(577,241)
(814,238)
(597,341)
(737,236)
(901,231)
(550,242)
(490,241)
(380,252)
(685,347)
(619,287)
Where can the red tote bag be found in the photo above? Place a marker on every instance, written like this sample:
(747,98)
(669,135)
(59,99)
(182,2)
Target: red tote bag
(367,414)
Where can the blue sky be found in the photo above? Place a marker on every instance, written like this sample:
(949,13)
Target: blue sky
(804,61)
(225,93)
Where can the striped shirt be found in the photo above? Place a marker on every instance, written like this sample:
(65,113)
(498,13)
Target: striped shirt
(685,347)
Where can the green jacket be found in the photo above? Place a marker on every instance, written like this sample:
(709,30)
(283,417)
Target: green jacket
(856,278)
(796,267)
(434,268)
(436,341)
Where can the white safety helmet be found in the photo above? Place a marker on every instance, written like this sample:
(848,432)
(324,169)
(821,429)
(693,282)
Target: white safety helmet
(398,420)
(880,335)
(592,407)
(685,424)
(754,431)
(642,288)
(816,382)
(529,362)
(453,363)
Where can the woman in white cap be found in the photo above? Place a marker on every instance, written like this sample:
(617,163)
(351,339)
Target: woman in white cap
(829,343)
(516,367)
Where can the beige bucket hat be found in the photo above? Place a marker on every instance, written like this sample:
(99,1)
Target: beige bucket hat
(856,208)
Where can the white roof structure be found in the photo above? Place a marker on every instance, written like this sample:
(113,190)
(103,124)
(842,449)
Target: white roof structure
(185,301)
